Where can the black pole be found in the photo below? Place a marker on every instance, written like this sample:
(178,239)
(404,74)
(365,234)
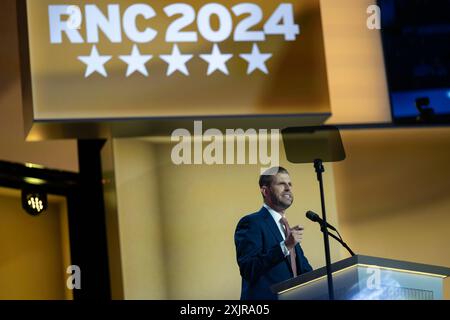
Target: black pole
(319,170)
(87,225)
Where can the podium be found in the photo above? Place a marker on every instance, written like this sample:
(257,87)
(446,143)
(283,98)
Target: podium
(368,278)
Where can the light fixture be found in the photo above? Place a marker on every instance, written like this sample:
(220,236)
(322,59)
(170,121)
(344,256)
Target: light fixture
(35,181)
(34,202)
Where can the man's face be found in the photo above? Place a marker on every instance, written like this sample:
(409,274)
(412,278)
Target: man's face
(280,192)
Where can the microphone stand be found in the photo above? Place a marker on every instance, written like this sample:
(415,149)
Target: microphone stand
(318,165)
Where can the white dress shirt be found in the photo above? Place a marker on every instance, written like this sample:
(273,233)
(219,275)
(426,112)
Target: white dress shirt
(277,217)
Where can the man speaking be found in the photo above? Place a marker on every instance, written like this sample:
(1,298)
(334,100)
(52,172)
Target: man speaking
(268,250)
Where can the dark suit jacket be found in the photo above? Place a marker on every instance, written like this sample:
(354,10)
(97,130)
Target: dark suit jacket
(260,258)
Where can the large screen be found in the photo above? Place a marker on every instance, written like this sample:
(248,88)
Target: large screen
(120,59)
(416,36)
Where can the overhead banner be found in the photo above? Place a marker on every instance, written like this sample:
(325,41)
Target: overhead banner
(131,60)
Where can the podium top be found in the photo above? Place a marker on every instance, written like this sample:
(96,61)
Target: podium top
(363,261)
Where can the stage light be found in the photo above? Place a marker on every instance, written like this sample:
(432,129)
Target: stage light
(35,181)
(34,202)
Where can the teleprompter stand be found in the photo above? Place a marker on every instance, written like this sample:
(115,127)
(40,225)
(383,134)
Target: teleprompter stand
(316,145)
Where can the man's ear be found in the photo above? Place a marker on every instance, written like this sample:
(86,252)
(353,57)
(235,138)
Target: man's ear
(264,191)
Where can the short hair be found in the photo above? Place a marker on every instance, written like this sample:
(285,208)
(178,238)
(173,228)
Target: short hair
(266,178)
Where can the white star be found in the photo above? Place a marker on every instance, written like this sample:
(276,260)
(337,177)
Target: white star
(216,60)
(176,61)
(136,61)
(94,62)
(256,60)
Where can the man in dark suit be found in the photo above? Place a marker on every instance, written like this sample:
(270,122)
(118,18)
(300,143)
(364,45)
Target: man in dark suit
(268,250)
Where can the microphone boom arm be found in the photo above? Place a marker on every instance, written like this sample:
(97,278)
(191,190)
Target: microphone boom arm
(340,241)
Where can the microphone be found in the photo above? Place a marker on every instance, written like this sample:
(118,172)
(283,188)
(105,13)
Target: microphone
(315,217)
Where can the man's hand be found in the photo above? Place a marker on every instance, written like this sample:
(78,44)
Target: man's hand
(295,236)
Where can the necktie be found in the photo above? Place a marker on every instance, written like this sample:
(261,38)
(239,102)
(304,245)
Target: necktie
(287,231)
